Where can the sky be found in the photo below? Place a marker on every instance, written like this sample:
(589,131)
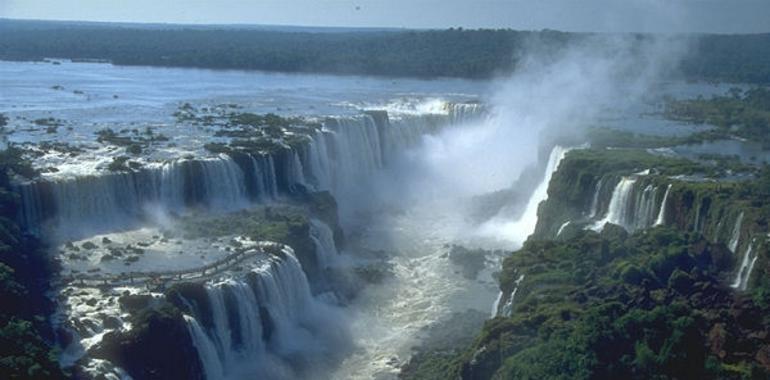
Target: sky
(713,16)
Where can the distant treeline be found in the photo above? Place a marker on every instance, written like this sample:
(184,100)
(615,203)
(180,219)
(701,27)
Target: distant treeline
(406,53)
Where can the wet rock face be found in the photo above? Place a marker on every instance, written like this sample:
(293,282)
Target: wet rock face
(191,297)
(158,347)
(323,205)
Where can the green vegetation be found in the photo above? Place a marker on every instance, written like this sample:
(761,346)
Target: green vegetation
(254,133)
(425,54)
(655,304)
(26,348)
(279,224)
(745,114)
(614,306)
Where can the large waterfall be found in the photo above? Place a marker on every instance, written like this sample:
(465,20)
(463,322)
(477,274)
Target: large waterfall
(337,158)
(110,201)
(517,231)
(522,228)
(267,325)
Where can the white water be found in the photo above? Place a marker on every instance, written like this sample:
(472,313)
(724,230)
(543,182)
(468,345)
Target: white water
(426,288)
(496,305)
(644,208)
(595,200)
(507,309)
(302,332)
(323,238)
(207,351)
(350,150)
(517,231)
(662,212)
(743,275)
(389,319)
(633,207)
(736,235)
(107,202)
(617,212)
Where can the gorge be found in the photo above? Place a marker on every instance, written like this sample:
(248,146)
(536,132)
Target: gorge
(255,225)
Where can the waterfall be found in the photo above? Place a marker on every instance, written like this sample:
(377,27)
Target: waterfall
(736,235)
(507,309)
(518,231)
(662,212)
(496,305)
(562,227)
(223,183)
(632,206)
(296,173)
(643,208)
(207,352)
(465,112)
(617,213)
(319,161)
(264,185)
(323,238)
(741,281)
(336,158)
(595,200)
(115,200)
(262,324)
(357,148)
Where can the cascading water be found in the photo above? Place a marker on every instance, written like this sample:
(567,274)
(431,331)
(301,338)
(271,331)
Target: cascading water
(265,325)
(518,231)
(617,213)
(465,112)
(114,200)
(506,309)
(736,234)
(595,200)
(207,351)
(323,238)
(632,207)
(644,208)
(562,227)
(296,173)
(743,275)
(337,158)
(661,218)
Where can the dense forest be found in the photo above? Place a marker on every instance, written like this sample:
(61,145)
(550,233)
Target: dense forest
(408,53)
(612,305)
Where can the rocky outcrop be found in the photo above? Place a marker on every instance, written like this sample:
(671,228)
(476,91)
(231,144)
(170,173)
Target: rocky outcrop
(158,346)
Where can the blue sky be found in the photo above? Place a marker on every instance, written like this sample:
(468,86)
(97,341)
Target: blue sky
(722,16)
